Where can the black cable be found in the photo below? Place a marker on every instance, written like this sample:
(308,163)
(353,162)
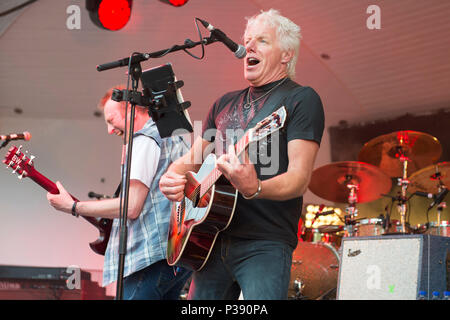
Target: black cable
(408,210)
(388,223)
(201,40)
(187,42)
(390,209)
(428,219)
(165,53)
(20,6)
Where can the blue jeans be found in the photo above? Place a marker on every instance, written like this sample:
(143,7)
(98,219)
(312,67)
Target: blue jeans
(260,268)
(158,281)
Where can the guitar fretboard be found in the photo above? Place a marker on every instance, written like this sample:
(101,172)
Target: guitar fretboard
(215,174)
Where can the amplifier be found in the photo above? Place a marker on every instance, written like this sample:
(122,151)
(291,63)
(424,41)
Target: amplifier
(393,267)
(43,283)
(39,273)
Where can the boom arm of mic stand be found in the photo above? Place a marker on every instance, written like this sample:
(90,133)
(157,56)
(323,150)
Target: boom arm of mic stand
(188,44)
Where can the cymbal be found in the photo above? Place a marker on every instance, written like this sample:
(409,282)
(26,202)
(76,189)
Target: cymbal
(384,151)
(426,179)
(330,181)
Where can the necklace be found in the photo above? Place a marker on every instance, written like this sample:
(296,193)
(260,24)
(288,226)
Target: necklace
(249,103)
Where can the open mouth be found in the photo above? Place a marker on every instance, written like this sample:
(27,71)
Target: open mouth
(252,61)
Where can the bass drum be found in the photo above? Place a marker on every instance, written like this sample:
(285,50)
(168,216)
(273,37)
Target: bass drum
(314,272)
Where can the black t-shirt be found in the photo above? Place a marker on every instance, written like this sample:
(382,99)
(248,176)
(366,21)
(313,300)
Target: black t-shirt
(226,121)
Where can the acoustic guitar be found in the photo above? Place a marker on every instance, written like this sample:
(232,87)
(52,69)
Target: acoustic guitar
(209,202)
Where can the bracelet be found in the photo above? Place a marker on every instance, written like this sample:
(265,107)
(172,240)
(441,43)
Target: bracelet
(74,207)
(255,194)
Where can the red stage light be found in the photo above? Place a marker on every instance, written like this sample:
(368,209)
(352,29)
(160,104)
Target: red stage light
(176,3)
(114,14)
(109,14)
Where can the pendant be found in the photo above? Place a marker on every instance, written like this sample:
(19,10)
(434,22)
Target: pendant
(247,106)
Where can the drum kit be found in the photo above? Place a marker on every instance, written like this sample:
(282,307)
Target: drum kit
(410,159)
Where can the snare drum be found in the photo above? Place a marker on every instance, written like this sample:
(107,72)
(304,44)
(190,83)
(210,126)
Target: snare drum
(395,227)
(369,227)
(314,271)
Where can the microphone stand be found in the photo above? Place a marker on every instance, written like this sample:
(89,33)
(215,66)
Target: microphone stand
(350,221)
(135,72)
(439,200)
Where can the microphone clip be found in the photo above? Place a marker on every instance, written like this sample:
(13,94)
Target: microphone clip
(438,199)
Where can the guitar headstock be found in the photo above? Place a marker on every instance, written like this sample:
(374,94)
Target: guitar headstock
(19,162)
(268,125)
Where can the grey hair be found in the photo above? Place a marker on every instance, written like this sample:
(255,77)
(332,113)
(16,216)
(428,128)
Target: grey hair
(288,34)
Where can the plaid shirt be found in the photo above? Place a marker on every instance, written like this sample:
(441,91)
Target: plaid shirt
(147,235)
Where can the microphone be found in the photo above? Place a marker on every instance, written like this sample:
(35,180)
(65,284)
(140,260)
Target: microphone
(17,136)
(238,49)
(424,194)
(92,194)
(325,213)
(320,213)
(438,198)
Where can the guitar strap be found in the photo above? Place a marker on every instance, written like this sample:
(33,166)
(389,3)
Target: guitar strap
(275,101)
(117,193)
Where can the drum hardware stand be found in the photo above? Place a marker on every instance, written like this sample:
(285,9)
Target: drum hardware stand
(328,293)
(441,204)
(403,182)
(298,287)
(387,218)
(440,207)
(351,209)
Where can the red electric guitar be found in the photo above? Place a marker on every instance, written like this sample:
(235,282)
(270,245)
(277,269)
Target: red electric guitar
(24,166)
(209,202)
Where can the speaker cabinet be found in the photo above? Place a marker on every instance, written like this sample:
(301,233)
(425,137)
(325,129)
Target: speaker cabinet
(394,267)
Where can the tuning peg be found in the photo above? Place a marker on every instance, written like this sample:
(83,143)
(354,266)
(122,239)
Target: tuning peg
(31,160)
(19,150)
(9,164)
(23,174)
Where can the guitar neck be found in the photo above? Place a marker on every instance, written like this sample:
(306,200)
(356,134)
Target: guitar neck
(51,187)
(215,174)
(46,183)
